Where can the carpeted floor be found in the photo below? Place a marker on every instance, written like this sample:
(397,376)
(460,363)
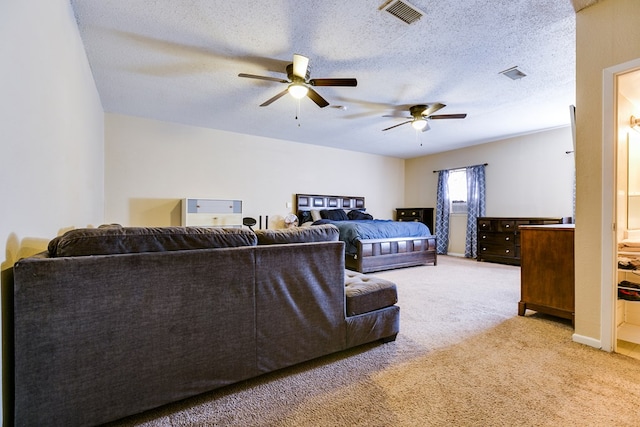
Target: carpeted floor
(463,358)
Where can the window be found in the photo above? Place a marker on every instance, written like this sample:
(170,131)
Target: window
(458,191)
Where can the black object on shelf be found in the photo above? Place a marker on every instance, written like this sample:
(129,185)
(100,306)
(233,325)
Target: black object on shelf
(249,222)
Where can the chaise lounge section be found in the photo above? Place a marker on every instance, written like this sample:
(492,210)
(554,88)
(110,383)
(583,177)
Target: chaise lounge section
(114,321)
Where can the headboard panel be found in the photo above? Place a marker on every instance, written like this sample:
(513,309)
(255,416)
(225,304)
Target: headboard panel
(307,202)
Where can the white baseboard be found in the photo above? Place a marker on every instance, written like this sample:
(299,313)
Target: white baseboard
(592,342)
(455,254)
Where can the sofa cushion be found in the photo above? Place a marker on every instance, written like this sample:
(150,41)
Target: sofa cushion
(115,239)
(321,233)
(365,293)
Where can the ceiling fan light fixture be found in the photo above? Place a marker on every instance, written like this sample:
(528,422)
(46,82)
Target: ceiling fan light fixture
(298,91)
(419,124)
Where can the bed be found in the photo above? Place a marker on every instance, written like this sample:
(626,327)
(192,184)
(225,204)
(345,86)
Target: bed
(370,244)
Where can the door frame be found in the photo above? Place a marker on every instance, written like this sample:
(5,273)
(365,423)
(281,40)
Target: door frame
(609,205)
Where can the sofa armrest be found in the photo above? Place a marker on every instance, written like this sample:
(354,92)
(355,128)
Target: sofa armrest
(300,302)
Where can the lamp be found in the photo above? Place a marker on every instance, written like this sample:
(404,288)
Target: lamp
(419,124)
(634,122)
(298,90)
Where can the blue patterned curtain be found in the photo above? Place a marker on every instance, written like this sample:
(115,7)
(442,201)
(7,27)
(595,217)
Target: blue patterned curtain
(475,207)
(442,213)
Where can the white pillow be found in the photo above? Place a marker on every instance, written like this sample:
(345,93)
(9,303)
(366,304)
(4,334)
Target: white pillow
(315,214)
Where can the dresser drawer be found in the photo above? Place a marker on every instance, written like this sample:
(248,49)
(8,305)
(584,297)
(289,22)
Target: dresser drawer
(497,238)
(485,225)
(408,213)
(507,225)
(498,249)
(410,218)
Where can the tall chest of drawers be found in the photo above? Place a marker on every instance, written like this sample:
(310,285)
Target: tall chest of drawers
(499,237)
(423,215)
(547,276)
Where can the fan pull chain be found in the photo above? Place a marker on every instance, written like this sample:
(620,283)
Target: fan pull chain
(298,111)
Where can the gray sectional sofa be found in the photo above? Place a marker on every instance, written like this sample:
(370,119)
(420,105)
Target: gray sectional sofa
(114,321)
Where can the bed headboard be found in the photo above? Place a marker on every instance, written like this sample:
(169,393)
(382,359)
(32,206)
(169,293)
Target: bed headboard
(307,202)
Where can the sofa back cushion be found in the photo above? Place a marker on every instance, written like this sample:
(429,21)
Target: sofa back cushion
(121,240)
(320,233)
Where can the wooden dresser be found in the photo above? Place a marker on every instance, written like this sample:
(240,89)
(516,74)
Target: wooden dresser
(547,275)
(499,237)
(423,215)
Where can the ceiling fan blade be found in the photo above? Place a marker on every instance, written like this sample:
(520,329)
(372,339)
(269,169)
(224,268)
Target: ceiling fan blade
(433,108)
(395,126)
(397,117)
(333,82)
(315,97)
(300,64)
(271,79)
(448,116)
(275,98)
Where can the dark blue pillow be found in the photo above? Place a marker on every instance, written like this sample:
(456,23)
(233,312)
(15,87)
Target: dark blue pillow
(334,214)
(356,214)
(305,216)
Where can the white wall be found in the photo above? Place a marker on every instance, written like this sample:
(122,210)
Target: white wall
(607,34)
(51,152)
(529,175)
(151,165)
(51,127)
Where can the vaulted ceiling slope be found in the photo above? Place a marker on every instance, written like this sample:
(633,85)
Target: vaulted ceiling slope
(179,62)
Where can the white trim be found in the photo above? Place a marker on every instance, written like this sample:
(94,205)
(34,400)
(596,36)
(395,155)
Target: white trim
(607,315)
(592,342)
(455,254)
(608,237)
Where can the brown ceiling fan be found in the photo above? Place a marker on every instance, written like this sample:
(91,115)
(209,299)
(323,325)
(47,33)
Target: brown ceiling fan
(299,83)
(421,113)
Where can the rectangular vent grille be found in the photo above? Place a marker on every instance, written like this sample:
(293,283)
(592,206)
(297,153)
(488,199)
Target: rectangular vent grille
(513,73)
(404,11)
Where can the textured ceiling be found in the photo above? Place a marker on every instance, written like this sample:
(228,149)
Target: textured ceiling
(179,62)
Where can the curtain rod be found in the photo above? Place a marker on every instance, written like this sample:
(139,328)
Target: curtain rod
(451,169)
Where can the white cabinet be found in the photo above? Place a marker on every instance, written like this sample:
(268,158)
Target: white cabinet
(212,212)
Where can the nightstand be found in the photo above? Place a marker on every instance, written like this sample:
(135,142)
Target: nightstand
(423,215)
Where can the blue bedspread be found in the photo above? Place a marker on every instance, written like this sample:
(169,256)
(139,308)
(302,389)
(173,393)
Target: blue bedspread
(350,231)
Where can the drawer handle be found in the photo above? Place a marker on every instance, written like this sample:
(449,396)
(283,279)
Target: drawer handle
(507,226)
(507,238)
(507,251)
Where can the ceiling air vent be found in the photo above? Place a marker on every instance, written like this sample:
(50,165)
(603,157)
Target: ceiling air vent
(513,73)
(404,11)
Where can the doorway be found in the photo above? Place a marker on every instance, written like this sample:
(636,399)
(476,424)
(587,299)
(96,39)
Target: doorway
(628,215)
(621,195)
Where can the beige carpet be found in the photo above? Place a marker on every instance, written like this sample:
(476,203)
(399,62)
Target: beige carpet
(463,358)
